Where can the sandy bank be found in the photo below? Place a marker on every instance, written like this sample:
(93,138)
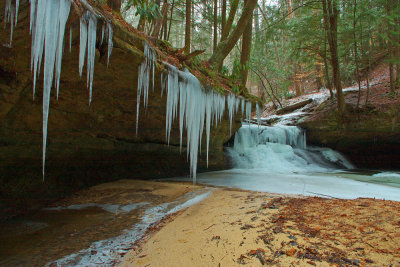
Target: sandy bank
(233,228)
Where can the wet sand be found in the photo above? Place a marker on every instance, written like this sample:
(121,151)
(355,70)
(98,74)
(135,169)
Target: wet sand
(235,228)
(63,228)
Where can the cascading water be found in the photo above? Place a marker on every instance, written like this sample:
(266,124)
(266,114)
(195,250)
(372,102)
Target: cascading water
(276,159)
(281,149)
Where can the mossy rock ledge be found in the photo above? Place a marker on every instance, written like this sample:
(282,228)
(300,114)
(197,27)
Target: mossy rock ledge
(87,144)
(369,137)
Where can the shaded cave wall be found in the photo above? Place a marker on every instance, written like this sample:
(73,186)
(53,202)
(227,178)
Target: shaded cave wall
(86,144)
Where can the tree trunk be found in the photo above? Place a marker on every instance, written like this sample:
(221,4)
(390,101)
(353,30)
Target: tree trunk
(290,8)
(330,19)
(170,19)
(318,79)
(326,67)
(161,19)
(295,80)
(215,25)
(188,25)
(229,22)
(223,16)
(256,24)
(115,5)
(356,54)
(246,49)
(389,6)
(225,47)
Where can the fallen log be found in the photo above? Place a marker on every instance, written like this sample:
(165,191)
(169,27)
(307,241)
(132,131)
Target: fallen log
(295,106)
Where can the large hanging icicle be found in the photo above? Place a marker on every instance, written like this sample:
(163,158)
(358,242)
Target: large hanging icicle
(197,109)
(48,19)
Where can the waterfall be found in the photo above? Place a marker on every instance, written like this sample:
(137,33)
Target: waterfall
(281,149)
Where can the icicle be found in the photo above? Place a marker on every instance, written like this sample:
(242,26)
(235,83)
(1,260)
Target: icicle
(248,110)
(242,106)
(110,41)
(9,16)
(38,29)
(172,100)
(33,15)
(70,39)
(83,42)
(91,43)
(51,39)
(164,80)
(196,110)
(143,78)
(16,11)
(182,107)
(209,111)
(231,108)
(237,103)
(64,13)
(103,28)
(258,111)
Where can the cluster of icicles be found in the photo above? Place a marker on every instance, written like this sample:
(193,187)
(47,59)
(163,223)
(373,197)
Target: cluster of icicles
(197,108)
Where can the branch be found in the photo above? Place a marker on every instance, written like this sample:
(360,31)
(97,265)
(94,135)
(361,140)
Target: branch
(289,13)
(183,57)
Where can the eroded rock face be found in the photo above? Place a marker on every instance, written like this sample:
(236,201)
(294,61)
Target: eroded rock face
(370,138)
(86,144)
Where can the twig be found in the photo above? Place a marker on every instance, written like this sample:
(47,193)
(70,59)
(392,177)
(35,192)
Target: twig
(322,195)
(209,226)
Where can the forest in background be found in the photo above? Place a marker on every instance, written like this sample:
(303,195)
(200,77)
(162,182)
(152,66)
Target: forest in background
(279,48)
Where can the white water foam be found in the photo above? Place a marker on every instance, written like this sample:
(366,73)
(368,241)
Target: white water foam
(276,159)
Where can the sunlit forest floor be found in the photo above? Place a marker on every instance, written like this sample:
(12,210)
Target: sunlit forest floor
(234,228)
